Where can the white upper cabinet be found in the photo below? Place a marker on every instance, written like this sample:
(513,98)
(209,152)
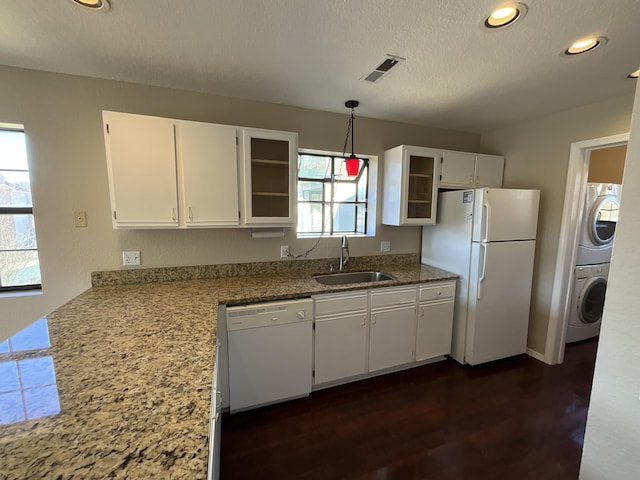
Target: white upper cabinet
(470,170)
(489,170)
(166,173)
(269,166)
(142,170)
(208,173)
(410,186)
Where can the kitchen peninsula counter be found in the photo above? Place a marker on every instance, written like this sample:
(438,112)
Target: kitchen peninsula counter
(133,367)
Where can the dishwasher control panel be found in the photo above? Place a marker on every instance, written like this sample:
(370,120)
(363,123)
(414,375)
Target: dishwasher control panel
(273,313)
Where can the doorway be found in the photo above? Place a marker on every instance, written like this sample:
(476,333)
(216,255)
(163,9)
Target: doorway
(575,194)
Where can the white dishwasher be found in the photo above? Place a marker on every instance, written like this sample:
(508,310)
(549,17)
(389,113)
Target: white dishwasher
(270,352)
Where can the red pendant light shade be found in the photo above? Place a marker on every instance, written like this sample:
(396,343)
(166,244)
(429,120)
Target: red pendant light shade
(352,164)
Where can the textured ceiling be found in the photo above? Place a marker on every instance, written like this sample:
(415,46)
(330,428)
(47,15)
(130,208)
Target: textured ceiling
(312,53)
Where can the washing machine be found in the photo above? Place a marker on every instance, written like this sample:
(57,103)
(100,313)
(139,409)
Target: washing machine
(599,221)
(587,301)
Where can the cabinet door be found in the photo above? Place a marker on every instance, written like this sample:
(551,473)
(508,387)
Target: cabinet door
(208,166)
(457,170)
(142,170)
(435,327)
(269,171)
(489,170)
(421,191)
(392,338)
(340,347)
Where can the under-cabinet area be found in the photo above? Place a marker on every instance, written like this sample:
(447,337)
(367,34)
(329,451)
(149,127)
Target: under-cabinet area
(169,173)
(356,334)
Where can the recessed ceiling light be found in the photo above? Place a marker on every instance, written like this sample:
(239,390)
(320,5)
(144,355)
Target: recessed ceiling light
(584,45)
(505,15)
(93,4)
(635,74)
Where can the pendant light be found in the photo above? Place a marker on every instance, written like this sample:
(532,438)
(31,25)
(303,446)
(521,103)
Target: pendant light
(352,163)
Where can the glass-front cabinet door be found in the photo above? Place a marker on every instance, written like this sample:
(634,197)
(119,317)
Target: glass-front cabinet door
(269,170)
(420,186)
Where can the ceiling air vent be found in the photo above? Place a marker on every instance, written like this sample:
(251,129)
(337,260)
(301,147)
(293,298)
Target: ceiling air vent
(389,62)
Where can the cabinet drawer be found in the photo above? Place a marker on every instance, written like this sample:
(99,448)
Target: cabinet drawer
(384,297)
(340,303)
(437,291)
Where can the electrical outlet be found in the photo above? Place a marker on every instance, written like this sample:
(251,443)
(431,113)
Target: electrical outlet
(130,258)
(284,251)
(385,246)
(80,219)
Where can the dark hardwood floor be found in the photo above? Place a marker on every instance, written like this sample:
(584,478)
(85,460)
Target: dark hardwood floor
(512,419)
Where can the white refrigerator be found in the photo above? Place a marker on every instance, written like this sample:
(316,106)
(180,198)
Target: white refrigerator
(487,237)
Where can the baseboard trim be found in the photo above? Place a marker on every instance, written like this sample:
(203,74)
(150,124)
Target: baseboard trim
(537,355)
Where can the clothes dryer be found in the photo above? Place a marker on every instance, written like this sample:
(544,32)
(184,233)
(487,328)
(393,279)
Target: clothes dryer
(587,301)
(599,221)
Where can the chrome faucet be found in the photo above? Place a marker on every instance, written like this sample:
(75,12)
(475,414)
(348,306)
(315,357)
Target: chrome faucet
(344,252)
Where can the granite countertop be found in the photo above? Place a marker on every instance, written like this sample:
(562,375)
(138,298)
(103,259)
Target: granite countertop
(121,385)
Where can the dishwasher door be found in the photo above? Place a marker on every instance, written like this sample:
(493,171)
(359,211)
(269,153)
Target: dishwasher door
(270,353)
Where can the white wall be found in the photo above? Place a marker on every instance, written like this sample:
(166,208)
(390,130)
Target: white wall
(612,439)
(62,118)
(537,155)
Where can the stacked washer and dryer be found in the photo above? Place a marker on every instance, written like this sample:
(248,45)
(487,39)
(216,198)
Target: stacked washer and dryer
(592,261)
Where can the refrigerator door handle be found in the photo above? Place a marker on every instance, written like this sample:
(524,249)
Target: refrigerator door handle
(486,221)
(483,248)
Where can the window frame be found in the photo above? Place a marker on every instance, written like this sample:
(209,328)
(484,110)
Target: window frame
(330,181)
(18,211)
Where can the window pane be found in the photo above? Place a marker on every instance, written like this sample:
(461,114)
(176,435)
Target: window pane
(19,268)
(344,192)
(361,224)
(312,166)
(15,190)
(344,219)
(13,151)
(362,185)
(17,232)
(309,218)
(310,191)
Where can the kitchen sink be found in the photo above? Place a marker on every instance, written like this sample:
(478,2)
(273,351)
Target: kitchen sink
(352,277)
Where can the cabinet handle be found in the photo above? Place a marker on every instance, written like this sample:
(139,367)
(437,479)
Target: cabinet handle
(364,320)
(374,318)
(215,417)
(470,179)
(173,214)
(478,180)
(438,292)
(190,215)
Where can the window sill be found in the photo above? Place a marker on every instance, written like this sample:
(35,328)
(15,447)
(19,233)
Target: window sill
(300,236)
(21,293)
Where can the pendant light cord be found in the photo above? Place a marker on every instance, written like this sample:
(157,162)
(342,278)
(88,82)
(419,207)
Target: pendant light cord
(346,140)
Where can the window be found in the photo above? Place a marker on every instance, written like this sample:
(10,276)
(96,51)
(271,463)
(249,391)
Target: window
(19,264)
(330,202)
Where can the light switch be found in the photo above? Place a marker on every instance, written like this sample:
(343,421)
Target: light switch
(80,219)
(385,246)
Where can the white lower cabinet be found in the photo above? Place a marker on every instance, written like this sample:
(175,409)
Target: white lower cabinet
(393,337)
(435,326)
(341,347)
(435,320)
(341,336)
(367,331)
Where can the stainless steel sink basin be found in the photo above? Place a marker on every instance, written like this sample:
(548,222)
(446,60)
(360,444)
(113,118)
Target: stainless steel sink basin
(352,277)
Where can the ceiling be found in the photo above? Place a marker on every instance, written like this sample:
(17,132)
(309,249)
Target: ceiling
(313,53)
